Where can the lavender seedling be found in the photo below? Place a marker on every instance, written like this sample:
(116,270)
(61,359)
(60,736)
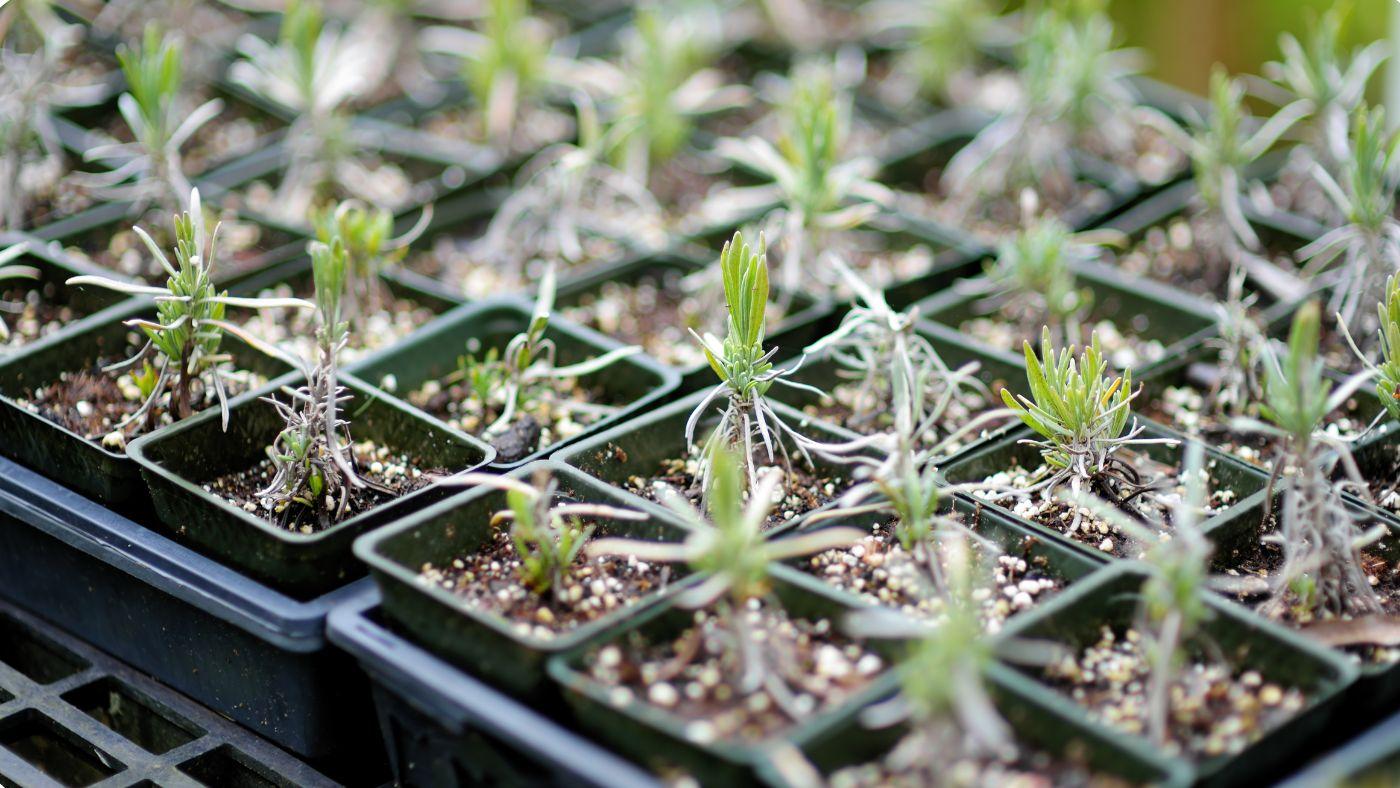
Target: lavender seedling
(943,695)
(504,65)
(566,195)
(548,535)
(1387,367)
(311,456)
(9,271)
(1333,85)
(662,85)
(745,371)
(903,481)
(939,42)
(314,70)
(1082,416)
(820,189)
(181,360)
(1033,275)
(1367,243)
(36,47)
(149,169)
(728,548)
(874,344)
(522,373)
(1238,340)
(1173,605)
(1222,147)
(1319,537)
(365,233)
(1074,84)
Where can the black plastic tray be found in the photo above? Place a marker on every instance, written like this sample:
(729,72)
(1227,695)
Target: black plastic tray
(70,715)
(445,728)
(246,651)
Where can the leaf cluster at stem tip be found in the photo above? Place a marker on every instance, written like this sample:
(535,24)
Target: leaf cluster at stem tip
(1075,404)
(740,360)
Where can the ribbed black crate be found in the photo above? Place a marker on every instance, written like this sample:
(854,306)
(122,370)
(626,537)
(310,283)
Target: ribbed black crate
(70,715)
(444,728)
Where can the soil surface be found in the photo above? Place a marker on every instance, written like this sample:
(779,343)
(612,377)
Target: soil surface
(1151,508)
(804,491)
(1215,709)
(693,679)
(1184,409)
(535,128)
(879,570)
(489,579)
(1009,327)
(552,410)
(92,403)
(1252,566)
(943,762)
(1175,253)
(399,473)
(34,314)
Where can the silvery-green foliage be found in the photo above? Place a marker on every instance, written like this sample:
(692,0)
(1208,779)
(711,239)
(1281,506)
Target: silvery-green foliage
(182,352)
(149,169)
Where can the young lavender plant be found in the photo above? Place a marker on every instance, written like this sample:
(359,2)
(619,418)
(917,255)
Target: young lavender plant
(149,170)
(1034,272)
(1367,243)
(311,456)
(1334,85)
(819,187)
(36,47)
(366,235)
(663,84)
(315,71)
(903,482)
(548,534)
(728,548)
(567,195)
(1387,367)
(939,42)
(745,371)
(943,695)
(874,343)
(9,270)
(504,64)
(522,373)
(1319,537)
(1081,414)
(1238,340)
(1074,85)
(1222,147)
(181,360)
(1173,605)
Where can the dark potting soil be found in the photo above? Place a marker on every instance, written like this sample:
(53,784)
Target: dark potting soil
(694,677)
(1214,708)
(489,579)
(940,757)
(551,411)
(37,315)
(1012,325)
(116,247)
(295,329)
(1184,408)
(397,473)
(92,403)
(1175,253)
(1252,567)
(878,569)
(805,488)
(1153,508)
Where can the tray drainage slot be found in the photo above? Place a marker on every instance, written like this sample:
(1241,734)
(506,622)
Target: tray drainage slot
(139,719)
(56,751)
(228,768)
(36,657)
